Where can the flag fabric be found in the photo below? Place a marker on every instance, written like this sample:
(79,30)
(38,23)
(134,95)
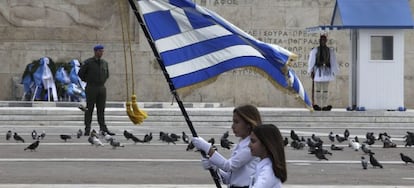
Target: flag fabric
(196,45)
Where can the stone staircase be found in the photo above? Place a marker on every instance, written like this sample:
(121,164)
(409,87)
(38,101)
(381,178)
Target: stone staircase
(20,114)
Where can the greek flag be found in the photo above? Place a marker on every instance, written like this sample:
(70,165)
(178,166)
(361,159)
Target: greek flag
(196,45)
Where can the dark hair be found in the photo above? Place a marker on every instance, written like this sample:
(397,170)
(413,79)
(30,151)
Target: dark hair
(250,114)
(271,138)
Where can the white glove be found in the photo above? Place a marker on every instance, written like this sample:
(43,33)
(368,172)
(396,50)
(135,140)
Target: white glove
(201,144)
(205,163)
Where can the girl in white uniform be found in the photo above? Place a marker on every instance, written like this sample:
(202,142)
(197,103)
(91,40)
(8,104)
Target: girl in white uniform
(237,170)
(266,142)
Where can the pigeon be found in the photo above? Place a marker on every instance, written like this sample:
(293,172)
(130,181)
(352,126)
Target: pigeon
(107,137)
(382,136)
(212,141)
(369,136)
(337,148)
(167,138)
(297,144)
(43,135)
(136,139)
(364,163)
(8,134)
(224,142)
(225,134)
(340,139)
(79,133)
(315,138)
(370,141)
(387,143)
(65,137)
(33,146)
(34,134)
(374,162)
(162,134)
(365,149)
(114,143)
(96,141)
(286,141)
(190,146)
(356,139)
(355,145)
(83,108)
(148,137)
(94,133)
(409,139)
(319,149)
(185,138)
(331,137)
(18,137)
(174,136)
(310,143)
(90,139)
(293,135)
(406,159)
(346,133)
(129,135)
(320,154)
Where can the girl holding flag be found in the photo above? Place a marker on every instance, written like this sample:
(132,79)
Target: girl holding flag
(240,167)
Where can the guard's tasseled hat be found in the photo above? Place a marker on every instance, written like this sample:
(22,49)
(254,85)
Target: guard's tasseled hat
(98,47)
(323,36)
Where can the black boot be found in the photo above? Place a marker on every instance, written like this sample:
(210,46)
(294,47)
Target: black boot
(109,132)
(87,131)
(327,108)
(317,107)
(105,129)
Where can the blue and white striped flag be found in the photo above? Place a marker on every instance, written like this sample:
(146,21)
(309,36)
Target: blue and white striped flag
(196,45)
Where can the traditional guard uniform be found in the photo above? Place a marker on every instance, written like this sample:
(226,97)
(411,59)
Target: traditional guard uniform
(323,68)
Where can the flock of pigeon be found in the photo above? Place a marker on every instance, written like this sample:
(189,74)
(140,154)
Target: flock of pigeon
(96,138)
(315,145)
(93,139)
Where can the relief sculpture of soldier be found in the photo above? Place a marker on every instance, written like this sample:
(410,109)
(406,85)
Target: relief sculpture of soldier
(323,68)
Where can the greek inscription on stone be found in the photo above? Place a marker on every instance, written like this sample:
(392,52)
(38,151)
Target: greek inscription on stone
(226,2)
(207,3)
(297,41)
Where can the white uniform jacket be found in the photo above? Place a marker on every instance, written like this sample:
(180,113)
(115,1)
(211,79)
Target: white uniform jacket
(265,178)
(238,169)
(319,77)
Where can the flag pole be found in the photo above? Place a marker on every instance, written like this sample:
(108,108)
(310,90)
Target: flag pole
(213,173)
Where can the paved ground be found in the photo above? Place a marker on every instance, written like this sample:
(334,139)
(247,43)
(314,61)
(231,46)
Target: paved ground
(178,186)
(76,163)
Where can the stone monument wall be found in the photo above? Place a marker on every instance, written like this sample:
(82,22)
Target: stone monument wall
(68,29)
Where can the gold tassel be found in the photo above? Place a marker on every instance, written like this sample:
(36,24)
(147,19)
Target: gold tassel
(136,115)
(142,114)
(131,114)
